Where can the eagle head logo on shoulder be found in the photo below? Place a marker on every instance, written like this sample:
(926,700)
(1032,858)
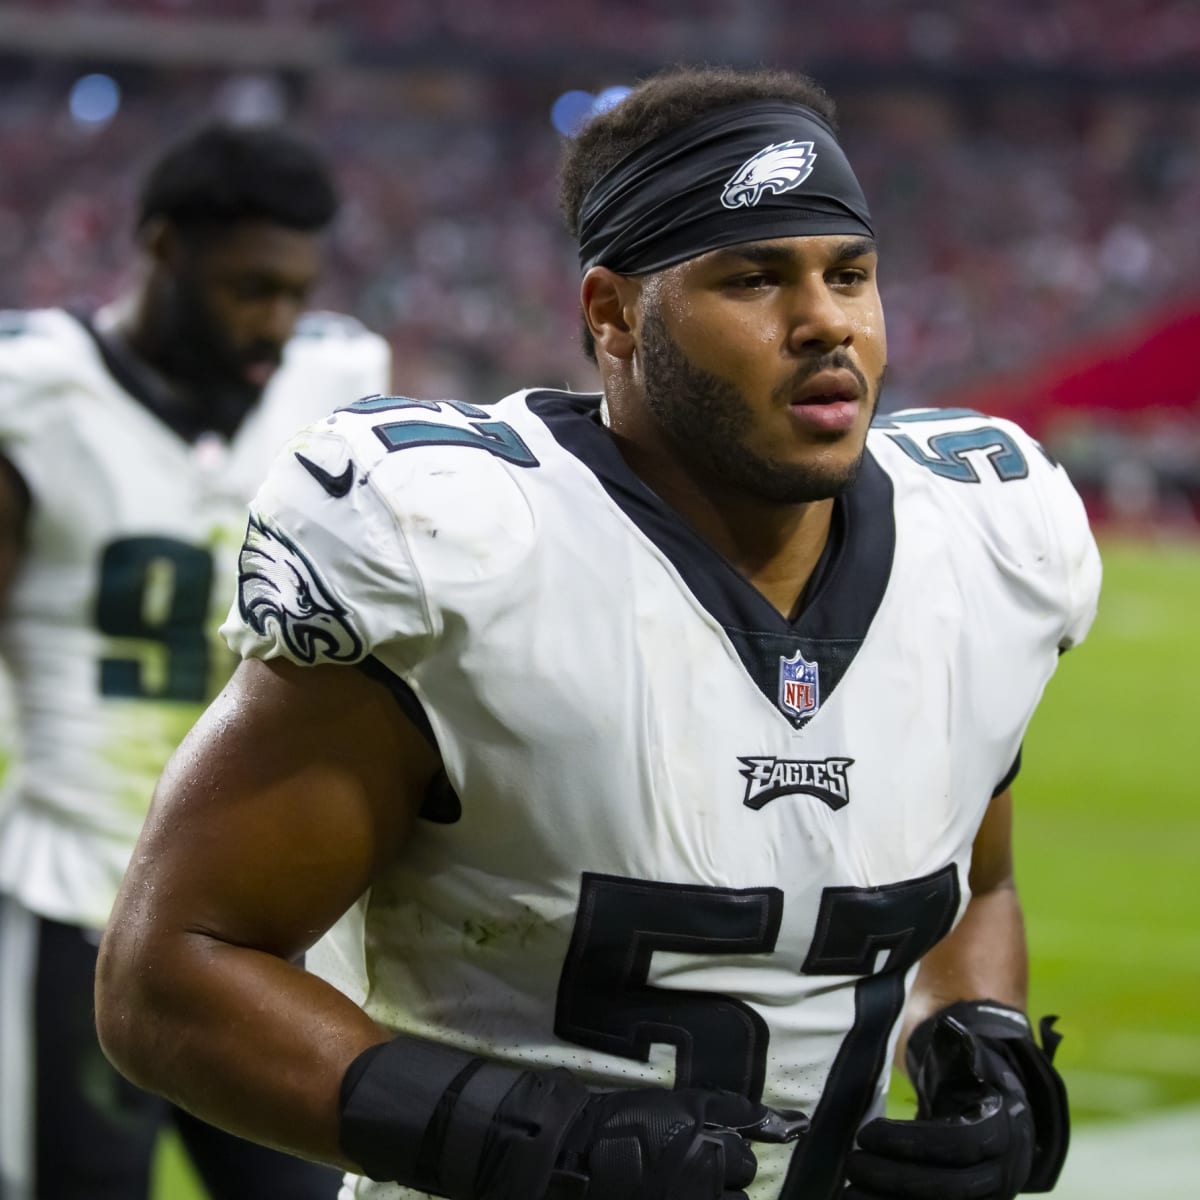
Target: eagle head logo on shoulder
(278,585)
(777,168)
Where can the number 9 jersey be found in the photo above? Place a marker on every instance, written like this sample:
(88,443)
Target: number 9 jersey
(131,544)
(682,840)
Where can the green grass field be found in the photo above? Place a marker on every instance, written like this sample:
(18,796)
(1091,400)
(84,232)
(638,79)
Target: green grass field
(1108,840)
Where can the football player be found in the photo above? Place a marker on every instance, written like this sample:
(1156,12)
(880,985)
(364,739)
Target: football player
(132,439)
(648,749)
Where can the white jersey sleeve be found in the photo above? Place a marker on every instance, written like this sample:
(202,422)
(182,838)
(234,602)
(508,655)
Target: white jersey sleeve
(330,360)
(1017,499)
(353,549)
(1078,557)
(39,356)
(323,577)
(346,350)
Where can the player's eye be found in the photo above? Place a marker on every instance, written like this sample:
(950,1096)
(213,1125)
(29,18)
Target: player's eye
(847,277)
(753,281)
(250,290)
(254,289)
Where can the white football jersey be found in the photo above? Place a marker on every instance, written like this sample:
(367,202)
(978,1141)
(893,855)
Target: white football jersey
(684,840)
(110,631)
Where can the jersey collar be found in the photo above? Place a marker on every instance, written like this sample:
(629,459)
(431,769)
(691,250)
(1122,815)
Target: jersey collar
(846,590)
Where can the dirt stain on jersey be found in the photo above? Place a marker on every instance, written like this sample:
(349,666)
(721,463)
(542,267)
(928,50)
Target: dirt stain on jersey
(495,933)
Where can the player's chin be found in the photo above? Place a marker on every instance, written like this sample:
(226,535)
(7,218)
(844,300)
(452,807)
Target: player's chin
(838,459)
(827,454)
(816,477)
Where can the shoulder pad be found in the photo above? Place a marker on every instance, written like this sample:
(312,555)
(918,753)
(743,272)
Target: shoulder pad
(961,445)
(15,322)
(336,357)
(325,324)
(1013,493)
(40,350)
(453,474)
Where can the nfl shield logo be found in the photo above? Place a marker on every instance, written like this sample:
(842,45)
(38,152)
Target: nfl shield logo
(799,690)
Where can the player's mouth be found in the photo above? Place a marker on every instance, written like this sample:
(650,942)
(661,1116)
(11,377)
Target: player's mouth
(258,371)
(828,402)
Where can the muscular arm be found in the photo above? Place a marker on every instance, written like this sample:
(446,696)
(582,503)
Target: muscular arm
(985,957)
(269,822)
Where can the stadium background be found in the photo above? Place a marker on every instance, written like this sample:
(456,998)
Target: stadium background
(1034,174)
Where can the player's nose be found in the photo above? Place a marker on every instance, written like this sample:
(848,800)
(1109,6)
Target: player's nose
(816,318)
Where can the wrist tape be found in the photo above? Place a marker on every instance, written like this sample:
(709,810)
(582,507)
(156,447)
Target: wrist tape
(427,1116)
(417,1113)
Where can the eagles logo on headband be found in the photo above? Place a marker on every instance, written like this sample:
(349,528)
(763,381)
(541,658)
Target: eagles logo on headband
(746,173)
(775,169)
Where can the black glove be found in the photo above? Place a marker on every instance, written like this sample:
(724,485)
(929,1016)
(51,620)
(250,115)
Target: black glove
(992,1118)
(447,1122)
(651,1144)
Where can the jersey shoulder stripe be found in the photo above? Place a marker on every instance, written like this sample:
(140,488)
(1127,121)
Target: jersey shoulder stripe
(992,481)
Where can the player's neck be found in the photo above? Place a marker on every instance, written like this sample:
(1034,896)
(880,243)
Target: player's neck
(779,562)
(137,326)
(775,546)
(175,387)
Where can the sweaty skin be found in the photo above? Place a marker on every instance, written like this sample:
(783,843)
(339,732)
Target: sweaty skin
(271,819)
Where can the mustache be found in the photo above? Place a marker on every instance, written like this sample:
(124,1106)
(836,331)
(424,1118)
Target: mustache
(262,351)
(835,360)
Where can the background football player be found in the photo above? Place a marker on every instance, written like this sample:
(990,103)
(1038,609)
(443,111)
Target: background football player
(131,440)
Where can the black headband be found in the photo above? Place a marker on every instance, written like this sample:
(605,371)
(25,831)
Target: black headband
(741,174)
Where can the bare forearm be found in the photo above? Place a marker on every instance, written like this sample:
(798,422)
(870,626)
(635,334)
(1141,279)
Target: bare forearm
(984,958)
(238,1037)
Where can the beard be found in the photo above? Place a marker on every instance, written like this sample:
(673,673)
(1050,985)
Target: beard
(201,353)
(709,423)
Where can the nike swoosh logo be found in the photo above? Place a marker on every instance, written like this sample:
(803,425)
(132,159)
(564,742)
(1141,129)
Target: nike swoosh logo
(336,485)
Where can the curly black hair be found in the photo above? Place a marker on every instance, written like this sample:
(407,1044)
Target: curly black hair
(223,173)
(659,105)
(665,102)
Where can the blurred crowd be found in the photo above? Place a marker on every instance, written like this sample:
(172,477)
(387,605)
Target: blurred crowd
(1012,221)
(1030,32)
(1018,224)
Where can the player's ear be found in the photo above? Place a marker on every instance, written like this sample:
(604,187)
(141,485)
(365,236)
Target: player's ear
(609,307)
(160,240)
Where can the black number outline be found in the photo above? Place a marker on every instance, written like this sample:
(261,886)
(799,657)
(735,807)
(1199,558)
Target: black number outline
(495,437)
(378,404)
(906,920)
(604,1002)
(124,575)
(946,458)
(1005,455)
